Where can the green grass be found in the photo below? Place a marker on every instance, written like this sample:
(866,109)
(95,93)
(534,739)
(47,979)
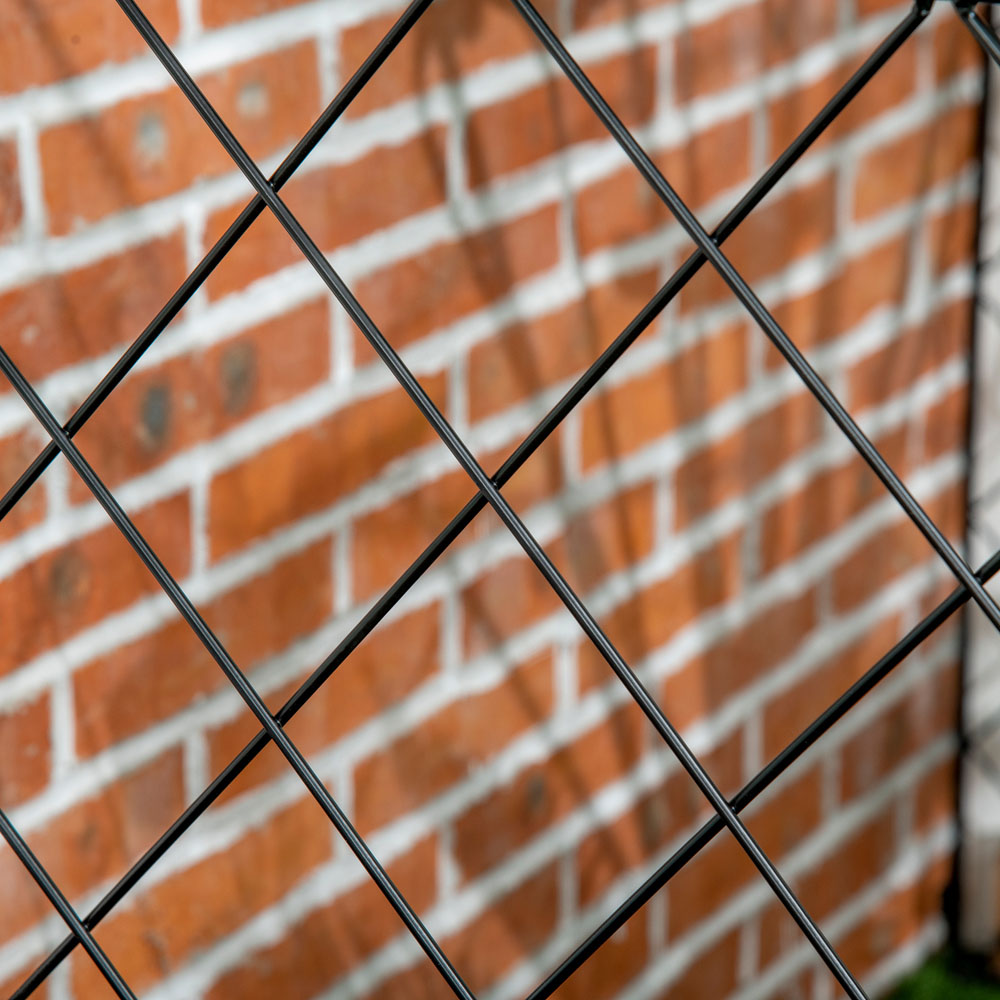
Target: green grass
(942,979)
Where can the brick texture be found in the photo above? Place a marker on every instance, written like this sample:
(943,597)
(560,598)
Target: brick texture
(732,546)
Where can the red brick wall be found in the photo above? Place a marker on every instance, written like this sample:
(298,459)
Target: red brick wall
(727,538)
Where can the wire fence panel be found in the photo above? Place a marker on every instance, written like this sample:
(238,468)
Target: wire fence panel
(487,490)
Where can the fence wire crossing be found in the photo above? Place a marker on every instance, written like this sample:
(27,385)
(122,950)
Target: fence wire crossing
(489,491)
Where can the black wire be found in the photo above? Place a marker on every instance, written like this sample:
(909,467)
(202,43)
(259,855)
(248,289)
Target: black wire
(763,779)
(488,488)
(212,259)
(59,901)
(959,567)
(514,462)
(513,523)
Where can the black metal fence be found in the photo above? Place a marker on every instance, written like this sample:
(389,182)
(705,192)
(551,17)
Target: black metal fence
(489,491)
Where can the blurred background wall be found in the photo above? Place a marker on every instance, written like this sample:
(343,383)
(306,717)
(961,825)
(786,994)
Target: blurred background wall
(979,877)
(726,536)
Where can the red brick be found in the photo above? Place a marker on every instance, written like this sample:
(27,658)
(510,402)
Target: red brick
(542,794)
(722,868)
(650,617)
(705,885)
(826,503)
(907,726)
(419,982)
(855,865)
(198,906)
(656,819)
(867,8)
(588,13)
(215,13)
(633,413)
(536,481)
(712,974)
(158,412)
(895,921)
(453,38)
(17,452)
(917,351)
(741,44)
(511,929)
(532,355)
(779,232)
(955,49)
(789,712)
(149,680)
(330,940)
(130,154)
(735,465)
(93,841)
(140,684)
(387,540)
(46,40)
(535,124)
(778,936)
(336,206)
(314,467)
(624,205)
(410,299)
(790,814)
(67,590)
(951,237)
(946,425)
(596,543)
(613,536)
(391,663)
(24,748)
(10,192)
(875,279)
(891,553)
(936,796)
(610,968)
(904,168)
(742,657)
(893,84)
(517,923)
(8,986)
(510,597)
(61,319)
(448,746)
(265,615)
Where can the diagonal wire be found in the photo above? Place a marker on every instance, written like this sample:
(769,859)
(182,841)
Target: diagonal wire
(981,31)
(59,901)
(764,778)
(514,524)
(245,689)
(213,258)
(959,567)
(518,457)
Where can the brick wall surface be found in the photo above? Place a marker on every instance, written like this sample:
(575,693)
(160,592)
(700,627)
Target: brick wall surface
(727,538)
